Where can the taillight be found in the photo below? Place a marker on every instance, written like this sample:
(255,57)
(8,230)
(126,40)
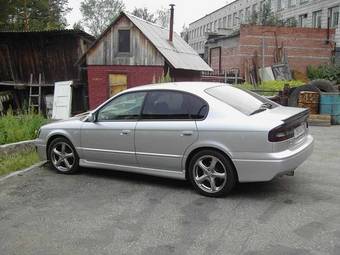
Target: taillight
(281,133)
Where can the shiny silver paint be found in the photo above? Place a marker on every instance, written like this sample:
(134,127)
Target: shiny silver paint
(162,147)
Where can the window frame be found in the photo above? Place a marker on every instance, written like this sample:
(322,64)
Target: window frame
(116,97)
(176,91)
(315,16)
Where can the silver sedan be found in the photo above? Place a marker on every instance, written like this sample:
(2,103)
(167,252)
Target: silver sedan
(211,134)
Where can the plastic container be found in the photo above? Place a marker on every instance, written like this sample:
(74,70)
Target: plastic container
(330,104)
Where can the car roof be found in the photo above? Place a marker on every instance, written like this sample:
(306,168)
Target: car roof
(192,87)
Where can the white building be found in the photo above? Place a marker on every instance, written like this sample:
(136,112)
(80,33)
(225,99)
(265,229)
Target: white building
(307,13)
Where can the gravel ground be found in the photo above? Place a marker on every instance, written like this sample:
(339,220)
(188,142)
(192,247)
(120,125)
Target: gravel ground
(107,212)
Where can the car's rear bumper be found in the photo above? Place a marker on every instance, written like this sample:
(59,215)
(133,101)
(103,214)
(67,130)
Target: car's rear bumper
(275,164)
(41,149)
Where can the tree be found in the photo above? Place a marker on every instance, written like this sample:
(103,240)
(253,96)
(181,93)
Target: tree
(144,14)
(163,17)
(185,33)
(265,17)
(57,11)
(28,15)
(98,14)
(78,26)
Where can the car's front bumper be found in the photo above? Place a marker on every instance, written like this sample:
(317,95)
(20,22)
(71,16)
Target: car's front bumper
(41,149)
(275,164)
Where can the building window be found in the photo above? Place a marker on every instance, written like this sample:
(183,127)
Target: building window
(224,22)
(229,20)
(240,15)
(280,5)
(291,3)
(303,20)
(215,25)
(124,41)
(316,19)
(234,19)
(291,22)
(254,8)
(220,23)
(248,13)
(262,4)
(333,14)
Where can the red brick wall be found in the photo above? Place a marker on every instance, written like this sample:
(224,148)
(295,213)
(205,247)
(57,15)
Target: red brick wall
(98,79)
(304,46)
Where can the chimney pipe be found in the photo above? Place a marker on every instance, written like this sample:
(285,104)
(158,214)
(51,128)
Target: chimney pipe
(171,30)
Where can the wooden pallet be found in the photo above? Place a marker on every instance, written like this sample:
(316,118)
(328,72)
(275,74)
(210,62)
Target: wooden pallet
(319,120)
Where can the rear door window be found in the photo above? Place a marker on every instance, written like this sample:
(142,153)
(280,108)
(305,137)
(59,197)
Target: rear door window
(173,105)
(242,100)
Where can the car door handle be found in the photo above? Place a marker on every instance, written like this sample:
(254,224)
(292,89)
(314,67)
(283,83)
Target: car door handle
(187,133)
(125,132)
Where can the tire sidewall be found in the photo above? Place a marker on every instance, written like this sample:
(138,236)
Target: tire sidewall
(230,169)
(75,166)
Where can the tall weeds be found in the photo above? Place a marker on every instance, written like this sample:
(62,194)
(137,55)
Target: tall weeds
(14,128)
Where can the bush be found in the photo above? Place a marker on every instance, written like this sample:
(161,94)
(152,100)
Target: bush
(270,88)
(327,72)
(15,128)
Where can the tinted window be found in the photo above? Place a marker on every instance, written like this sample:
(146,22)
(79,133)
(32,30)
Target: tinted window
(173,105)
(244,101)
(124,40)
(127,106)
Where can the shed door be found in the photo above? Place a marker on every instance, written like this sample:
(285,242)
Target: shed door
(62,100)
(118,83)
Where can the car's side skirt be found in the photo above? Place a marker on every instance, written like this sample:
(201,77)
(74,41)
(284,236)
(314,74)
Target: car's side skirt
(134,169)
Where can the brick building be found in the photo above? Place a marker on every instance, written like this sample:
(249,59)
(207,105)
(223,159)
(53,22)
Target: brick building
(303,47)
(134,52)
(225,20)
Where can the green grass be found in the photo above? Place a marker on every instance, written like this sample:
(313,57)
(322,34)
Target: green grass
(15,128)
(17,161)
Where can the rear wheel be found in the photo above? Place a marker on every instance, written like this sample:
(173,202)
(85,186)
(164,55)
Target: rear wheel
(63,156)
(211,173)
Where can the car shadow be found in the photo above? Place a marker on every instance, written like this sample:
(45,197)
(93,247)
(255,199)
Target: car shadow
(256,190)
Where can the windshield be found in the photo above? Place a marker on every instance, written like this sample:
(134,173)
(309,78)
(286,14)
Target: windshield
(242,100)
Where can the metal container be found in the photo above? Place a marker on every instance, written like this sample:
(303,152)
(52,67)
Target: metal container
(310,100)
(330,104)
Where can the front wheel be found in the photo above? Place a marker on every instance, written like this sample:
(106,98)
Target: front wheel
(63,156)
(212,174)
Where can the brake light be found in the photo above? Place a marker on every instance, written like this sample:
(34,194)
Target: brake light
(281,133)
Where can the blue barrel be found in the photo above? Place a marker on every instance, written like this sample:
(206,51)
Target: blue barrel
(330,104)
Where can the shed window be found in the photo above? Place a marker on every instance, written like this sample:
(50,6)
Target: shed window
(124,41)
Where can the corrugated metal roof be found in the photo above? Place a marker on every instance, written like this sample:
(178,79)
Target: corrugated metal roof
(50,32)
(178,53)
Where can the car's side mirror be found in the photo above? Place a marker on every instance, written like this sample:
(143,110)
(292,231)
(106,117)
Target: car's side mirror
(91,117)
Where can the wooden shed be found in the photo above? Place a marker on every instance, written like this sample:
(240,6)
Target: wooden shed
(51,55)
(133,52)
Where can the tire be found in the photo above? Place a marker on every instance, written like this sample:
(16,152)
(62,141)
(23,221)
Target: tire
(63,156)
(294,95)
(209,180)
(324,85)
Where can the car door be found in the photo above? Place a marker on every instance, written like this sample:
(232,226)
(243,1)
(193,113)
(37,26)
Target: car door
(110,138)
(165,130)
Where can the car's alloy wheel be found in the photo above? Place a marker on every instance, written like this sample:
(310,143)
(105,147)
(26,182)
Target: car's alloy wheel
(63,156)
(211,173)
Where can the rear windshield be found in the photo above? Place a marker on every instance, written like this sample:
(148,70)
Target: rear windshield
(242,100)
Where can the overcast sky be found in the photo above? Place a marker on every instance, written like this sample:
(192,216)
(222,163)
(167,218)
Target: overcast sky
(186,11)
